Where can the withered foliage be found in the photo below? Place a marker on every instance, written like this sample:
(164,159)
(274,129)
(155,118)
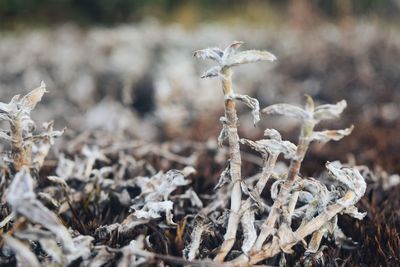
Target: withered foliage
(109,201)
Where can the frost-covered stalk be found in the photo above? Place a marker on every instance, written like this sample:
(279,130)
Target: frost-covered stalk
(356,186)
(307,129)
(235,165)
(27,149)
(226,59)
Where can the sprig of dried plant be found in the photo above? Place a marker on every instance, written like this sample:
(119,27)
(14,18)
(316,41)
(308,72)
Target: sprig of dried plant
(306,200)
(226,59)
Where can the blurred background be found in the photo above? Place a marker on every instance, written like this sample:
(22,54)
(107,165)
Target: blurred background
(126,66)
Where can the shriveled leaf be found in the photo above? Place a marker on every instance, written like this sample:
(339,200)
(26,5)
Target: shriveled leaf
(273,134)
(249,56)
(353,212)
(129,253)
(350,177)
(272,147)
(29,101)
(51,247)
(153,210)
(328,112)
(335,135)
(287,110)
(192,250)
(25,257)
(213,53)
(231,49)
(251,103)
(224,178)
(23,201)
(212,72)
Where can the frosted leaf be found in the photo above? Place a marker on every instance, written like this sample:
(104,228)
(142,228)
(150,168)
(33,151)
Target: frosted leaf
(249,56)
(51,248)
(213,53)
(350,177)
(25,257)
(129,253)
(23,201)
(192,250)
(353,212)
(335,135)
(231,49)
(273,134)
(251,103)
(327,112)
(224,178)
(287,110)
(272,147)
(29,101)
(229,57)
(212,72)
(153,210)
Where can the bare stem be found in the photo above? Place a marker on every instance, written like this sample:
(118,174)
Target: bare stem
(19,152)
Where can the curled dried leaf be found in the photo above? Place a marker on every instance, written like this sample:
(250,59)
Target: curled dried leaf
(212,72)
(251,103)
(287,110)
(272,147)
(29,101)
(249,56)
(273,134)
(328,112)
(213,53)
(231,49)
(350,177)
(23,201)
(335,135)
(24,255)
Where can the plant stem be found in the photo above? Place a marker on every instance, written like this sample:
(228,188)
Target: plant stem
(235,167)
(268,225)
(17,142)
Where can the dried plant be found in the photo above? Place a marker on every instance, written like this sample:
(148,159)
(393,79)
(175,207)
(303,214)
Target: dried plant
(306,200)
(226,59)
(115,207)
(27,149)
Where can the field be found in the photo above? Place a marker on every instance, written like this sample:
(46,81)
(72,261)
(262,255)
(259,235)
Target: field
(136,177)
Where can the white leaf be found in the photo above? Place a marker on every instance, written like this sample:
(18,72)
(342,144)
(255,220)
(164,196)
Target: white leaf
(327,112)
(25,256)
(248,56)
(212,72)
(251,103)
(29,101)
(231,49)
(273,134)
(213,53)
(287,110)
(353,212)
(350,177)
(335,135)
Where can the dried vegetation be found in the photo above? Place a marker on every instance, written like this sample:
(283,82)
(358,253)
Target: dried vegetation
(107,201)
